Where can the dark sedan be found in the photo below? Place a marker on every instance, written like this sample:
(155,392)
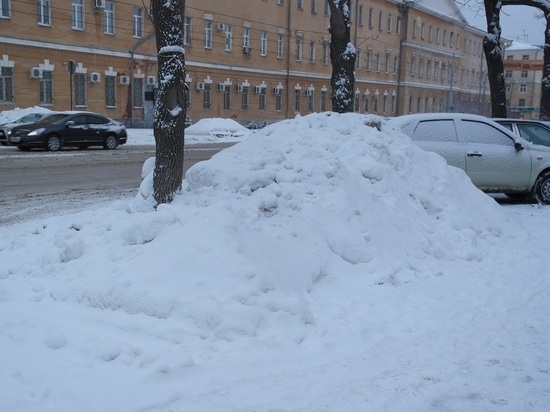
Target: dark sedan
(70,129)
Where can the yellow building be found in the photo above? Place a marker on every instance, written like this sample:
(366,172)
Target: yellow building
(263,60)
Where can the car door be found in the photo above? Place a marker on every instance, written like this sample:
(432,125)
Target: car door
(98,127)
(440,136)
(492,160)
(77,130)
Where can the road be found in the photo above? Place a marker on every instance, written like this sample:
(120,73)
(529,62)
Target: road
(38,183)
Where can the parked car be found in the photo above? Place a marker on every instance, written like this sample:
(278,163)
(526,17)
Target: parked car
(5,128)
(76,129)
(532,130)
(495,159)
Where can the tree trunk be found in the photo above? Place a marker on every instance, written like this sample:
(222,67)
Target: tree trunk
(342,56)
(170,110)
(493,56)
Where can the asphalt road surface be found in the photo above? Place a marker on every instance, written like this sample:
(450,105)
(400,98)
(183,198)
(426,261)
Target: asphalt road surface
(38,184)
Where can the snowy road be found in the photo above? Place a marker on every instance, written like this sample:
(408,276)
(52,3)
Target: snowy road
(37,183)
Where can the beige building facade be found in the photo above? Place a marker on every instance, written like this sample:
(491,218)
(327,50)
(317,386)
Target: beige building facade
(261,60)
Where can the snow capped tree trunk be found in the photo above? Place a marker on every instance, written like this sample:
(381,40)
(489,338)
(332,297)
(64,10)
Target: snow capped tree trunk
(342,56)
(169,120)
(493,56)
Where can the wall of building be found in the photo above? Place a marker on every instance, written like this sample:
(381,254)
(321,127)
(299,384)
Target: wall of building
(282,81)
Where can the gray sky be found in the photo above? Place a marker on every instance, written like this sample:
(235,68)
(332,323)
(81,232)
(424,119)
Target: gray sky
(517,22)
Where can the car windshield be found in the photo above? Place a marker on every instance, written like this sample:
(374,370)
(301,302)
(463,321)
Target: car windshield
(52,118)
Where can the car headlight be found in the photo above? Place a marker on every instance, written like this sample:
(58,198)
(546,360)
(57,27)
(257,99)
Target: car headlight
(36,132)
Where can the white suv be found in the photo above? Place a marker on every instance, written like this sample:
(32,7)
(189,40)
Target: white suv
(495,159)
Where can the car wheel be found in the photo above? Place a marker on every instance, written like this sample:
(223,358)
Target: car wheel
(110,142)
(541,190)
(53,144)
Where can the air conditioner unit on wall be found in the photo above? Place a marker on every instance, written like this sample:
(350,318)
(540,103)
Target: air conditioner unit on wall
(151,80)
(239,88)
(200,86)
(124,80)
(99,4)
(258,89)
(221,87)
(35,73)
(220,26)
(277,91)
(247,50)
(309,92)
(94,77)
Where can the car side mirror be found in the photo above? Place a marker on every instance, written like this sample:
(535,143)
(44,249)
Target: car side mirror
(518,146)
(70,123)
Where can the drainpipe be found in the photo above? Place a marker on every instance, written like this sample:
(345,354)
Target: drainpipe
(132,53)
(288,61)
(404,11)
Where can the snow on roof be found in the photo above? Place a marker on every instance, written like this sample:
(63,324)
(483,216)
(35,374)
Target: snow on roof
(445,7)
(519,45)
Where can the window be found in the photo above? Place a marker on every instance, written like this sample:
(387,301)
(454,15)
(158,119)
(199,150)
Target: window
(437,35)
(521,103)
(412,66)
(263,44)
(429,69)
(5,9)
(312,51)
(246,37)
(109,18)
(378,62)
(327,8)
(187,30)
(280,45)
(421,67)
(398,25)
(369,59)
(380,19)
(44,12)
(423,31)
(278,102)
(356,98)
(415,28)
(360,15)
(508,75)
(435,131)
(525,57)
(366,102)
(299,49)
(207,96)
(522,88)
(79,82)
(77,16)
(376,102)
(46,87)
(482,133)
(452,39)
(261,99)
(385,103)
(388,60)
(296,100)
(323,100)
(110,91)
(245,97)
(314,6)
(371,18)
(6,84)
(524,74)
(395,64)
(280,2)
(325,53)
(228,38)
(300,4)
(358,60)
(207,34)
(444,37)
(138,92)
(227,97)
(138,22)
(389,23)
(431,34)
(393,103)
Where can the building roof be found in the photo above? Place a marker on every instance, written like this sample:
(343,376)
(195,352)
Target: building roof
(445,7)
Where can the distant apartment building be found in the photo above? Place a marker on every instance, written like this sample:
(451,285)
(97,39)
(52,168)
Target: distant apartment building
(523,64)
(263,60)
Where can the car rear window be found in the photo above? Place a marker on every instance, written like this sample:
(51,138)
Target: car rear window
(435,131)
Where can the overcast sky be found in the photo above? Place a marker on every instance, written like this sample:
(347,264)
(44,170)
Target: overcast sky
(517,22)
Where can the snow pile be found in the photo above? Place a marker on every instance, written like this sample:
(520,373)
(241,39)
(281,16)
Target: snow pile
(9,116)
(325,263)
(216,128)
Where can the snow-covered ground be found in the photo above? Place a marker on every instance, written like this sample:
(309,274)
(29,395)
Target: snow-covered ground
(318,265)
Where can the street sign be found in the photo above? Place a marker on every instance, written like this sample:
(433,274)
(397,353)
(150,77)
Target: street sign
(71,67)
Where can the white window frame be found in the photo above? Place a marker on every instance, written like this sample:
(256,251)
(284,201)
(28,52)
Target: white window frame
(109,18)
(44,13)
(137,22)
(77,14)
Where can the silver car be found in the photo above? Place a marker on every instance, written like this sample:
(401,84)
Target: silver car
(533,130)
(495,159)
